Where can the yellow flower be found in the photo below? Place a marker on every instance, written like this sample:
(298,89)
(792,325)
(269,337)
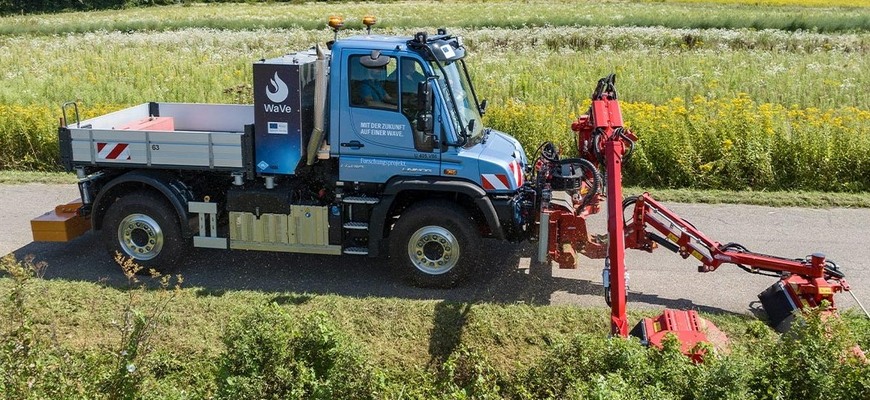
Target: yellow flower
(706,167)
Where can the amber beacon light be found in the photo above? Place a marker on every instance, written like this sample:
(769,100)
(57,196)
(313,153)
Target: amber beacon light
(369,21)
(336,23)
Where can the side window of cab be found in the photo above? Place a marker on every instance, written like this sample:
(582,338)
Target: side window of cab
(373,86)
(410,75)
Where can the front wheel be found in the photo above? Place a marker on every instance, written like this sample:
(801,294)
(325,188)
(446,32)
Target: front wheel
(142,226)
(434,244)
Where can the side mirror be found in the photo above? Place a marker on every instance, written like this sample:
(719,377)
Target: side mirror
(374,60)
(482,107)
(425,121)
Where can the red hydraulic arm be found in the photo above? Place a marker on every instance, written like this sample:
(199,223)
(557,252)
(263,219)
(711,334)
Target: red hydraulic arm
(602,139)
(607,117)
(808,282)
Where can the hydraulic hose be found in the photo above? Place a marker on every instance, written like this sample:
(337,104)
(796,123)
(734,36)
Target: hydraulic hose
(595,186)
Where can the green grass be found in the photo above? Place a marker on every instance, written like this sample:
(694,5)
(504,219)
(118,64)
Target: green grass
(512,14)
(396,332)
(421,349)
(655,77)
(401,333)
(800,3)
(12,177)
(773,199)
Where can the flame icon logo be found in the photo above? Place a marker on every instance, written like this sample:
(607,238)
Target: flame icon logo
(281,91)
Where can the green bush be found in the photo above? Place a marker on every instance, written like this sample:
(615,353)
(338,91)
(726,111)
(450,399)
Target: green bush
(734,144)
(28,135)
(467,374)
(271,355)
(32,366)
(814,360)
(42,6)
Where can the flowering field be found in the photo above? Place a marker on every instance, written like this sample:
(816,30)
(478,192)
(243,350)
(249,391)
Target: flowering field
(715,108)
(467,14)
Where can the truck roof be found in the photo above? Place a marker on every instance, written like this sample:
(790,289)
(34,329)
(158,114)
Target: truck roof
(373,42)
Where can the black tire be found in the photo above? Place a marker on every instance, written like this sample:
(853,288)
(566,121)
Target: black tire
(144,227)
(434,244)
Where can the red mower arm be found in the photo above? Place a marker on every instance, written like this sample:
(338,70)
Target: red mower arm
(807,282)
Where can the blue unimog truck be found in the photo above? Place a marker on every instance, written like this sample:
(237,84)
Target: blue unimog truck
(315,165)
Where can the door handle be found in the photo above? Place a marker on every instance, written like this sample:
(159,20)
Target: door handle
(353,144)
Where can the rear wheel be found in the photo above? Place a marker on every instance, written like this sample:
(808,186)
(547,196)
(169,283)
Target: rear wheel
(434,244)
(142,226)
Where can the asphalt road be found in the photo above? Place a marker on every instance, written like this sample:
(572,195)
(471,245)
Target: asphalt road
(657,280)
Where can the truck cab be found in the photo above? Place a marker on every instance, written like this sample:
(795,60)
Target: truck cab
(431,123)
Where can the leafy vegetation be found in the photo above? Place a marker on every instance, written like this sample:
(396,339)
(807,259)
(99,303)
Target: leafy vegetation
(722,144)
(59,342)
(30,6)
(272,355)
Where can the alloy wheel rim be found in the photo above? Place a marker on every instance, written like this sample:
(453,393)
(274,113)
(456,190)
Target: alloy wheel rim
(433,250)
(140,237)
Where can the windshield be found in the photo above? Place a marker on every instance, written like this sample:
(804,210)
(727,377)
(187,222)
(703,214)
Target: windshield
(463,99)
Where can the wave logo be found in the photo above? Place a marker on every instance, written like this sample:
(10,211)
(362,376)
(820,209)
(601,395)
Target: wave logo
(281,91)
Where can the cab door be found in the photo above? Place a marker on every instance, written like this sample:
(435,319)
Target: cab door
(377,135)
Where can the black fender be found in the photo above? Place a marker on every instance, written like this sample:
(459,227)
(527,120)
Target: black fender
(439,184)
(170,186)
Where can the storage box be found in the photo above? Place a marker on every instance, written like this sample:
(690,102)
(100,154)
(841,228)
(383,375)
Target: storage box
(61,224)
(150,124)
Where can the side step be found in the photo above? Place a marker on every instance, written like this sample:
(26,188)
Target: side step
(362,226)
(360,200)
(357,251)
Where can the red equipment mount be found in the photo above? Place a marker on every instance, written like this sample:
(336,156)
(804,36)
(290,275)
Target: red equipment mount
(602,141)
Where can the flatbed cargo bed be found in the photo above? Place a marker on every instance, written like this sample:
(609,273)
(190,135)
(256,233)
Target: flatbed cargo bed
(163,135)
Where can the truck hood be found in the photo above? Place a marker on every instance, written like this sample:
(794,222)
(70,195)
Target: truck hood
(500,161)
(504,137)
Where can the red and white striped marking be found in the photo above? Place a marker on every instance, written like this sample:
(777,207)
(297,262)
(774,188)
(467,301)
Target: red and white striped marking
(501,181)
(113,151)
(517,172)
(495,181)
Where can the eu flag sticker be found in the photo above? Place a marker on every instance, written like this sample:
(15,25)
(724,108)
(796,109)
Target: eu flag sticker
(278,128)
